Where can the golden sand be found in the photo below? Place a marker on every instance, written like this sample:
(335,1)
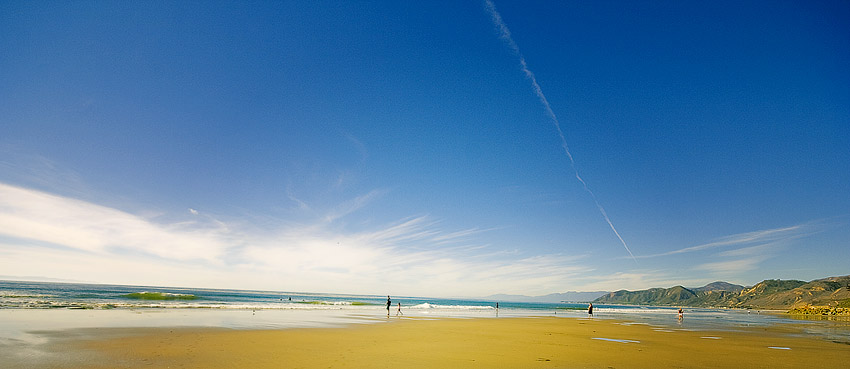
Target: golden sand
(465,343)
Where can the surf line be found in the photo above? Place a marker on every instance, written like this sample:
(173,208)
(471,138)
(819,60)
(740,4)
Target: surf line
(505,35)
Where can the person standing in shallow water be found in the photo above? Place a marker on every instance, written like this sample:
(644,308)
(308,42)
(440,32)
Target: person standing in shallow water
(590,310)
(389,302)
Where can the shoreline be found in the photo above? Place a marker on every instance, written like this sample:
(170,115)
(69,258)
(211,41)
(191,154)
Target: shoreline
(443,342)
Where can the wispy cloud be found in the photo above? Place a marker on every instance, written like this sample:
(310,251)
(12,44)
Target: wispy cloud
(352,205)
(744,259)
(752,250)
(16,166)
(291,196)
(33,215)
(360,147)
(61,237)
(454,236)
(731,267)
(748,239)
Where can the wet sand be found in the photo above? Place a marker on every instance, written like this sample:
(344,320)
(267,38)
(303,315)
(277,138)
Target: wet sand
(459,343)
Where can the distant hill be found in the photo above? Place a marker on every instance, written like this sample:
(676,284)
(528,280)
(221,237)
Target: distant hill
(832,291)
(768,294)
(720,286)
(571,296)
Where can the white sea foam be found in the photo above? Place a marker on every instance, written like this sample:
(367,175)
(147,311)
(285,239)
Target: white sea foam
(18,294)
(633,310)
(615,340)
(426,305)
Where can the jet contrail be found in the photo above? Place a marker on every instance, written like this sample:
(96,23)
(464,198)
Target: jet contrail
(505,34)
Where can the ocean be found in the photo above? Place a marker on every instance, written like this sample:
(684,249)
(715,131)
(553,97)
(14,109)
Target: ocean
(27,307)
(43,295)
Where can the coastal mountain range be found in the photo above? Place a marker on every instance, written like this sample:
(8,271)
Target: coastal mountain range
(768,294)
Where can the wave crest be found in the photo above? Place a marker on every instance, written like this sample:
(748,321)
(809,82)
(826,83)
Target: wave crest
(159,296)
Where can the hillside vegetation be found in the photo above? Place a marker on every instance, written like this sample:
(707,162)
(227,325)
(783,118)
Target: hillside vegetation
(768,294)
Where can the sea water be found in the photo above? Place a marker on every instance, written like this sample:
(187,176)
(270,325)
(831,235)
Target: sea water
(28,308)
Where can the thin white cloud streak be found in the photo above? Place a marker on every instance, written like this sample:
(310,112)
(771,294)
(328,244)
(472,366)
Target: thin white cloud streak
(19,167)
(352,205)
(505,34)
(59,237)
(733,266)
(362,151)
(301,204)
(748,238)
(743,260)
(751,250)
(460,234)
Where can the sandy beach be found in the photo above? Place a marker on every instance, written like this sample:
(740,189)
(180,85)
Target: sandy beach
(419,343)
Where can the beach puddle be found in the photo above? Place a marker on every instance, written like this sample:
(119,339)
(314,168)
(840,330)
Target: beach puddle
(778,348)
(614,340)
(712,338)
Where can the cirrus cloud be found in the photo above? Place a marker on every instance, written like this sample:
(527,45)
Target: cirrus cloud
(61,237)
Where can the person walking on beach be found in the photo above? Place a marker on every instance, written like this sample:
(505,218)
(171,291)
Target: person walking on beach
(389,302)
(681,314)
(397,313)
(590,310)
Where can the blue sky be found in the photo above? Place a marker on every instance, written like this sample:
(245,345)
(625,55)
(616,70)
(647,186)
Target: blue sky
(386,147)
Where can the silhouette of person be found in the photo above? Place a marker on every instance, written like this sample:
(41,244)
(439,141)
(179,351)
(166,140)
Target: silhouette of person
(590,309)
(389,302)
(681,314)
(399,310)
